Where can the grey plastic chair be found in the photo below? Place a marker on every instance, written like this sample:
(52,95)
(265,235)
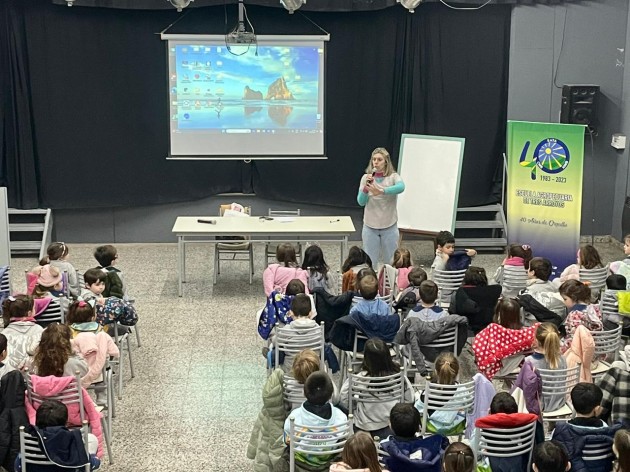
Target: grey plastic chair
(506,442)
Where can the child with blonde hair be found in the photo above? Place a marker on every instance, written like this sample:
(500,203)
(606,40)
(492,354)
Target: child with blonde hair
(20,329)
(264,447)
(446,423)
(397,273)
(547,355)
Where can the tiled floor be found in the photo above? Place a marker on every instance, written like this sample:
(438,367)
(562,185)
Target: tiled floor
(199,371)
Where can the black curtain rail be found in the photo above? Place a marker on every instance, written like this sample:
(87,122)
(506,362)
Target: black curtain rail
(312,5)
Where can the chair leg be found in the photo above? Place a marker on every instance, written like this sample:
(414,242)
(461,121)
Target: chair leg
(121,364)
(137,330)
(130,355)
(108,440)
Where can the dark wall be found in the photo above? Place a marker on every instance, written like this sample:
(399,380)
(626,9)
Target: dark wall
(91,89)
(592,53)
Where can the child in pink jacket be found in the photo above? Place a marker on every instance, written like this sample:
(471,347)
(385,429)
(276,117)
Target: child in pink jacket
(277,276)
(51,386)
(91,342)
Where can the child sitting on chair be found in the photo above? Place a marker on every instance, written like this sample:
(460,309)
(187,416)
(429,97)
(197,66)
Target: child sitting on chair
(94,344)
(276,276)
(359,454)
(615,283)
(20,329)
(301,321)
(108,309)
(370,305)
(504,415)
(107,256)
(62,446)
(316,411)
(445,256)
(406,452)
(57,256)
(270,423)
(427,309)
(586,399)
(409,297)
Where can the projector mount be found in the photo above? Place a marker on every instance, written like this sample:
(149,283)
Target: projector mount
(240,35)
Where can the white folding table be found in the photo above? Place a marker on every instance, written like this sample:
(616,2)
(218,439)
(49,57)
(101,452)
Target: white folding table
(259,230)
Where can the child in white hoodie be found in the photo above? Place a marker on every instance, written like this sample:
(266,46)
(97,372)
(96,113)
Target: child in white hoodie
(21,331)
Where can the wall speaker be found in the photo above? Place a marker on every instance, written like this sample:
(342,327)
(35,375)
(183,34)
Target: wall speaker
(579,105)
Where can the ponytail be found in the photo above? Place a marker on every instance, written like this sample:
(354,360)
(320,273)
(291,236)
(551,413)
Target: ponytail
(402,258)
(446,369)
(458,457)
(548,339)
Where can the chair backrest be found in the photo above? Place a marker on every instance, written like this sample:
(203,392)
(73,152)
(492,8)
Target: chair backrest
(438,397)
(280,213)
(5,280)
(224,208)
(609,305)
(292,390)
(71,395)
(52,314)
(447,341)
(31,452)
(387,389)
(291,341)
(507,442)
(607,342)
(514,278)
(596,278)
(317,441)
(447,281)
(556,382)
(597,451)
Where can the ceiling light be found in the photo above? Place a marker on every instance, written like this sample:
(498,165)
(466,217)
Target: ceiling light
(292,5)
(180,4)
(410,4)
(70,2)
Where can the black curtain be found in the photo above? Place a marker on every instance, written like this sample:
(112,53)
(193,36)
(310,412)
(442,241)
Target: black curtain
(18,157)
(97,119)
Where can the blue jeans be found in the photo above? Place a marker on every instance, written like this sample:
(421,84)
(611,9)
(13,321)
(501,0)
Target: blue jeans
(380,242)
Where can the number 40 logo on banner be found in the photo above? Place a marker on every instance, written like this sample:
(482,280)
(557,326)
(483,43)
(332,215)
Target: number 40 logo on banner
(551,156)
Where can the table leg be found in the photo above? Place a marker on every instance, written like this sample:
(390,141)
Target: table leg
(180,264)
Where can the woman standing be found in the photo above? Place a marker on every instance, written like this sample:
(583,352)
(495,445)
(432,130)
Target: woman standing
(378,193)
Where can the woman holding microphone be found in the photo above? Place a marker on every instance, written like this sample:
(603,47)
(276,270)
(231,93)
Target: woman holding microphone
(378,191)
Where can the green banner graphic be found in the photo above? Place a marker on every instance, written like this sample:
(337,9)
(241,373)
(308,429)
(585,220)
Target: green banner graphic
(544,189)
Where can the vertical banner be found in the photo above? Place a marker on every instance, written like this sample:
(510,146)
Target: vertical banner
(544,189)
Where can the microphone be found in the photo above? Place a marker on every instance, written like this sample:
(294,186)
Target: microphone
(371,178)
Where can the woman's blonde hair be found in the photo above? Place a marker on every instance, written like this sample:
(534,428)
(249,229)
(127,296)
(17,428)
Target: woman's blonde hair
(548,339)
(389,167)
(446,369)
